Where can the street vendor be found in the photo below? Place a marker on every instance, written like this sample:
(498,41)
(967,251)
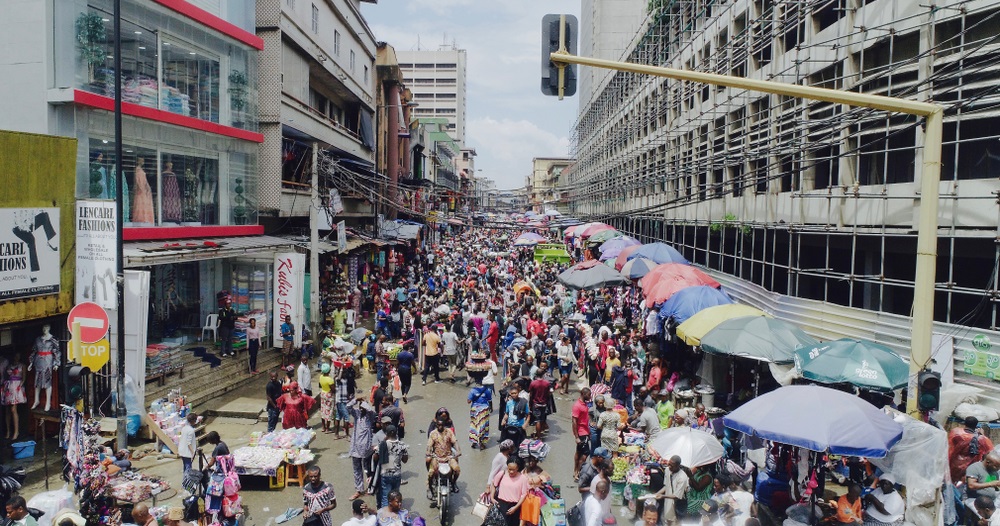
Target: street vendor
(885,504)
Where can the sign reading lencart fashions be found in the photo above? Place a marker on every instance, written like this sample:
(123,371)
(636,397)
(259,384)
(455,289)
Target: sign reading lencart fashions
(29,252)
(95,253)
(289,287)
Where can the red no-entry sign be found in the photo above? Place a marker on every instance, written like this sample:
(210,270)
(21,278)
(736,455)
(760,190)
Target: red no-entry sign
(93,320)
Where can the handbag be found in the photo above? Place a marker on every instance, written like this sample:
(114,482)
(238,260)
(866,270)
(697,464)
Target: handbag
(231,483)
(494,517)
(215,486)
(482,506)
(531,508)
(232,506)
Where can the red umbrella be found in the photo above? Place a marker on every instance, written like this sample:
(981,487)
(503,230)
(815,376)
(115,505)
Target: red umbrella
(593,229)
(623,256)
(668,287)
(676,271)
(571,231)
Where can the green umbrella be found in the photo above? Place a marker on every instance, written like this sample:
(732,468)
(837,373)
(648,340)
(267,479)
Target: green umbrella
(602,236)
(756,337)
(861,363)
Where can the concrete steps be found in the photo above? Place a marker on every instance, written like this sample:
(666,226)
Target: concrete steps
(202,382)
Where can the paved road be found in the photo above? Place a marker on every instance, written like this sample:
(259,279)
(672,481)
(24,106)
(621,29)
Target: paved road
(263,503)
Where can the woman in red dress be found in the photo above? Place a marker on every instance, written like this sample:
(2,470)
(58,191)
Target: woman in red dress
(295,406)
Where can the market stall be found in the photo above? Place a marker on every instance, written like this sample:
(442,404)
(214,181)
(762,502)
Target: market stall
(267,452)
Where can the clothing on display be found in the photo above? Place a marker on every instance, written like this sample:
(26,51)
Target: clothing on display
(44,359)
(142,206)
(171,197)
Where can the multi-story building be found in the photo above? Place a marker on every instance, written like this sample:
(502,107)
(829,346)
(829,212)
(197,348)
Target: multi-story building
(607,28)
(392,157)
(317,79)
(465,165)
(485,194)
(546,175)
(437,80)
(808,208)
(190,145)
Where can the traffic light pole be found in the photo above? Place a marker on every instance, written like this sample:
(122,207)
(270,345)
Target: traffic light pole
(930,175)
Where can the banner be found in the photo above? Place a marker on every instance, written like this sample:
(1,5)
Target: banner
(342,237)
(289,286)
(336,203)
(96,228)
(29,252)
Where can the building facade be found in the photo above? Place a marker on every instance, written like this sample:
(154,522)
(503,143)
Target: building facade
(546,181)
(800,201)
(437,80)
(393,101)
(607,30)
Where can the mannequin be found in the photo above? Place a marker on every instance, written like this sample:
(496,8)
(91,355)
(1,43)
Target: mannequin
(171,194)
(142,206)
(12,393)
(45,360)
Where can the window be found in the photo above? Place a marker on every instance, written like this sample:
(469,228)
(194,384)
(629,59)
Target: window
(315,18)
(352,61)
(446,66)
(336,42)
(446,82)
(423,81)
(423,95)
(366,74)
(446,95)
(446,111)
(290,3)
(190,81)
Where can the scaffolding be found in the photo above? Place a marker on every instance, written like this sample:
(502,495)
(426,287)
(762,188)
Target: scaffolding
(804,198)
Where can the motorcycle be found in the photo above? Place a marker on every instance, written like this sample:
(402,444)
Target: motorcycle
(441,490)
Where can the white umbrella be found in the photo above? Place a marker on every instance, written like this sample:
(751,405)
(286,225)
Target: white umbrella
(694,446)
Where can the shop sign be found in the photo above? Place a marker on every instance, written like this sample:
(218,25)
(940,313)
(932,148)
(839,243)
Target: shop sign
(95,355)
(96,228)
(29,252)
(982,342)
(981,363)
(289,285)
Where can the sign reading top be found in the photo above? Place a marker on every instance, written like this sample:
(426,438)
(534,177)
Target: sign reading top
(29,252)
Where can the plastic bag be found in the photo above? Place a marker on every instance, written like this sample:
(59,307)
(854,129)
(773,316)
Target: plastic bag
(51,502)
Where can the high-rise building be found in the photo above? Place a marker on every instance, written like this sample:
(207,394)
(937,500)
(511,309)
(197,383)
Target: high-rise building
(437,81)
(607,28)
(809,209)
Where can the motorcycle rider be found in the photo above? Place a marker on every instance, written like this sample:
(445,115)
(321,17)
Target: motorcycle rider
(442,446)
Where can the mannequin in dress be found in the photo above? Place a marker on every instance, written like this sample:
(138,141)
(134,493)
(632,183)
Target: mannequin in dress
(44,359)
(12,393)
(142,206)
(171,194)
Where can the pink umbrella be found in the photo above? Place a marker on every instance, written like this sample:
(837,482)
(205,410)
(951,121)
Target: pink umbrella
(593,229)
(676,271)
(623,256)
(570,231)
(668,286)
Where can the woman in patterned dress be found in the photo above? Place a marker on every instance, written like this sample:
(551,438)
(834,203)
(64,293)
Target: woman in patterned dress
(326,404)
(480,406)
(12,392)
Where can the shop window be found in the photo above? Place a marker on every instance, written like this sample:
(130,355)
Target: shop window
(195,201)
(190,81)
(95,33)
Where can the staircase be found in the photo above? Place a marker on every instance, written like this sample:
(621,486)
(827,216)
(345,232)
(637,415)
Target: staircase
(204,381)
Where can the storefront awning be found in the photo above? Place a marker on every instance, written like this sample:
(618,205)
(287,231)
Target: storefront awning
(145,253)
(327,246)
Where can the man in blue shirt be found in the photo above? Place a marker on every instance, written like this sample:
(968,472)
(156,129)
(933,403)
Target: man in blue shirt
(287,341)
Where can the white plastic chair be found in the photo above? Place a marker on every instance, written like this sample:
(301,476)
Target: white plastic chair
(211,324)
(352,319)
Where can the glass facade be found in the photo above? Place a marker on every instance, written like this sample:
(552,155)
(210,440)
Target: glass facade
(173,176)
(168,62)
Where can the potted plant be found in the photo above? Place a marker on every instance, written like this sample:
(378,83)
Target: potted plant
(240,210)
(90,40)
(238,95)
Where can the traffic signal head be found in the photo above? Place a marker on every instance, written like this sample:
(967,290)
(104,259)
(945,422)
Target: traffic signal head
(75,376)
(928,390)
(559,34)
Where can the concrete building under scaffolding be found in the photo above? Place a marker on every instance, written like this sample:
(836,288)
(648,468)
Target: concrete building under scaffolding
(808,209)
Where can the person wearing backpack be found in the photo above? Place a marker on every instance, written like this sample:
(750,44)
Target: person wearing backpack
(966,445)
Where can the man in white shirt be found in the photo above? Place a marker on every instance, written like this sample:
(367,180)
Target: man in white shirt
(451,340)
(593,511)
(363,516)
(188,444)
(305,375)
(675,487)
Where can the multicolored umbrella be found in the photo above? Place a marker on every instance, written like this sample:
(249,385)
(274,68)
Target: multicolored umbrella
(591,274)
(660,253)
(688,302)
(758,338)
(637,268)
(611,248)
(623,256)
(593,229)
(697,326)
(603,235)
(861,363)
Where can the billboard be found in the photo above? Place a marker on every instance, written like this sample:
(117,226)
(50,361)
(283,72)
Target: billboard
(29,252)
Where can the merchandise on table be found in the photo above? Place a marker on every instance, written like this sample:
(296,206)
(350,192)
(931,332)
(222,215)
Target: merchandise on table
(258,460)
(170,415)
(283,439)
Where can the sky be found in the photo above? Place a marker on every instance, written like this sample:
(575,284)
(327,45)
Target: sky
(508,120)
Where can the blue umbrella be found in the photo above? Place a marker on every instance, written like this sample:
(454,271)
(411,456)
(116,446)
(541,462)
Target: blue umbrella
(687,302)
(636,268)
(660,253)
(818,418)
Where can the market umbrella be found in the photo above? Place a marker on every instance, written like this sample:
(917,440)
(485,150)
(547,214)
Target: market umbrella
(532,236)
(676,272)
(660,253)
(694,446)
(637,268)
(697,326)
(819,419)
(569,232)
(591,274)
(858,362)
(758,338)
(688,302)
(611,248)
(552,213)
(623,256)
(521,242)
(593,229)
(604,235)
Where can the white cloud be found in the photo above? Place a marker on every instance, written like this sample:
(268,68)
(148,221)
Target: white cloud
(505,148)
